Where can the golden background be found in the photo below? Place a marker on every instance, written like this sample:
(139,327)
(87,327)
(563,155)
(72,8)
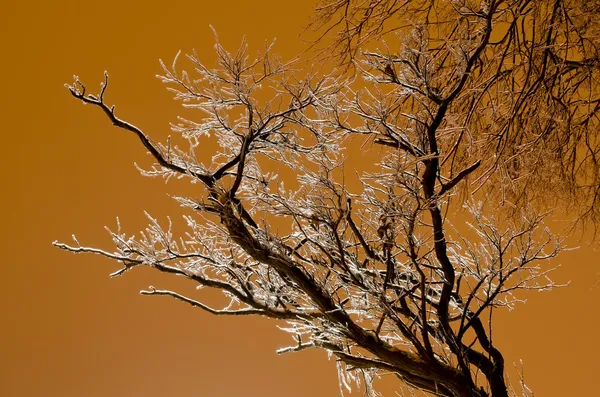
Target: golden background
(69,330)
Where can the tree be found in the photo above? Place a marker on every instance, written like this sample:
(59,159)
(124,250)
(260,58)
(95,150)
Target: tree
(492,105)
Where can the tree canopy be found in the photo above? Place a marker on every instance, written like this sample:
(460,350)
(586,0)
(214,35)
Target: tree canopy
(489,105)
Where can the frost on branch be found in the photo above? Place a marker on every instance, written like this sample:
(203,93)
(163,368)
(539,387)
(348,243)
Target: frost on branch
(367,263)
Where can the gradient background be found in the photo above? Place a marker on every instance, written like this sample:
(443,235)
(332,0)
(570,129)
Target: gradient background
(69,330)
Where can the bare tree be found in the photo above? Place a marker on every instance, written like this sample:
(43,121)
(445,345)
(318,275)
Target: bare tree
(513,84)
(492,104)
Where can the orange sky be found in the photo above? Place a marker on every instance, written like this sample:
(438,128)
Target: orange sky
(69,330)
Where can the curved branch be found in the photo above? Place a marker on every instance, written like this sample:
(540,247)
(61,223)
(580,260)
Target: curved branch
(78,91)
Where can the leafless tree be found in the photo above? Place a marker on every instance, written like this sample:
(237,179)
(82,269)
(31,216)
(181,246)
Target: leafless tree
(491,104)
